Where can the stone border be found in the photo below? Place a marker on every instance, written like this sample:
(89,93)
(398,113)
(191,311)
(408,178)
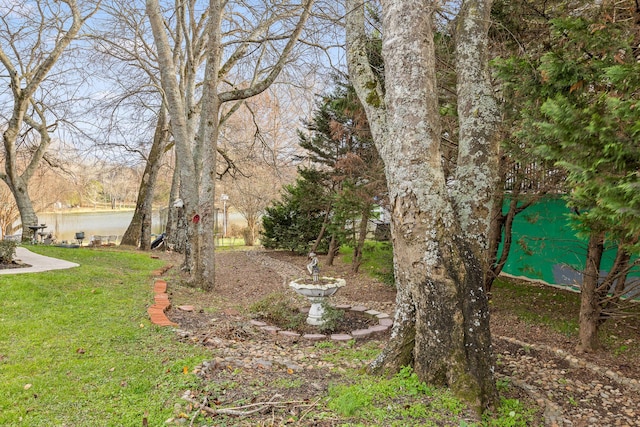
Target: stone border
(552,412)
(162,303)
(384,323)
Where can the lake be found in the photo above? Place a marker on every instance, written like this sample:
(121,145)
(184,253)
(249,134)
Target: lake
(65,225)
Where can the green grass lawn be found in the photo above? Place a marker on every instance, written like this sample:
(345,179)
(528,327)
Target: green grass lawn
(77,348)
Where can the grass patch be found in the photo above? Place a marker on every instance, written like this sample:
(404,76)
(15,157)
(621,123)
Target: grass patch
(538,304)
(510,413)
(77,348)
(377,260)
(378,399)
(334,353)
(404,400)
(231,244)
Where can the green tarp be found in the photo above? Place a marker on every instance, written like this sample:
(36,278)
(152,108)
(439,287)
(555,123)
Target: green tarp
(545,247)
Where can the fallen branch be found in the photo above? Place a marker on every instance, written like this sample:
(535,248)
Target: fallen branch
(239,410)
(203,404)
(313,405)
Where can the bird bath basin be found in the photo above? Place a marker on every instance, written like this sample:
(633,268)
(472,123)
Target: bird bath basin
(317,292)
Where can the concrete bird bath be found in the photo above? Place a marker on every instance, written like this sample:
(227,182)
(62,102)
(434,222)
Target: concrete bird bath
(316,289)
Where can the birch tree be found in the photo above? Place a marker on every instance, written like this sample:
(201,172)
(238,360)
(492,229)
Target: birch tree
(439,231)
(34,37)
(261,38)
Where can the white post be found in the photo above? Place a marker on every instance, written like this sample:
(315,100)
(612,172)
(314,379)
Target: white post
(224,199)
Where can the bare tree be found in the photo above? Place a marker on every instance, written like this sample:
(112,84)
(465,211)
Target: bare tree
(134,122)
(8,211)
(36,34)
(261,42)
(254,137)
(439,230)
(251,195)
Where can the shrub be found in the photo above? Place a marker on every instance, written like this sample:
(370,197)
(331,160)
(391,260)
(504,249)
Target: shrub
(331,317)
(7,251)
(278,308)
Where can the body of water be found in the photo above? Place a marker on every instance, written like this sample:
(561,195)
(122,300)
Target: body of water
(65,225)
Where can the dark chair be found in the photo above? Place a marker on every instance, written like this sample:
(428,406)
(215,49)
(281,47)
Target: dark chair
(80,237)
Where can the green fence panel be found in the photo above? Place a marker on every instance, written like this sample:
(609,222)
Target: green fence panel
(545,247)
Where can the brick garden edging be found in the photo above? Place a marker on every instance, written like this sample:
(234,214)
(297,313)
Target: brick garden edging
(161,304)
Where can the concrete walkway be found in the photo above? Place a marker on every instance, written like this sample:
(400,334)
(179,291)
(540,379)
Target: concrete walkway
(38,263)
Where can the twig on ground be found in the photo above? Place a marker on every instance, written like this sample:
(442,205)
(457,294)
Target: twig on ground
(239,410)
(198,409)
(311,406)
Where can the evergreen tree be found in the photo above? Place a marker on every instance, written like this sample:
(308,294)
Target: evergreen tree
(347,166)
(582,116)
(294,223)
(339,138)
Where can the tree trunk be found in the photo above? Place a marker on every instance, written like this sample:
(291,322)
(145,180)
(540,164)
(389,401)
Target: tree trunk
(621,273)
(139,230)
(180,129)
(495,238)
(334,248)
(17,182)
(323,229)
(589,300)
(249,234)
(203,241)
(477,177)
(441,324)
(362,235)
(250,237)
(503,233)
(612,287)
(175,235)
(441,321)
(25,207)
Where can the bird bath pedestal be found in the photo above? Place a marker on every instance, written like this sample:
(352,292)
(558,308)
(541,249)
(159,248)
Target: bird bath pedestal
(317,292)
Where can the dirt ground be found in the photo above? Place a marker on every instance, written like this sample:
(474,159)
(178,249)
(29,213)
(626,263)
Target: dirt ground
(523,350)
(249,366)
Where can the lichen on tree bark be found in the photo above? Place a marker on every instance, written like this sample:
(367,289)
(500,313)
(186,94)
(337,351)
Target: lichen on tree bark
(441,324)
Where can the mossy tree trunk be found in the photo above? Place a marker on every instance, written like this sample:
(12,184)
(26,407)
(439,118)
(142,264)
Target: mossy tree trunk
(439,232)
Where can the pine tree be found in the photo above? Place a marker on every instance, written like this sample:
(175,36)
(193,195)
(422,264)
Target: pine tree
(338,137)
(582,116)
